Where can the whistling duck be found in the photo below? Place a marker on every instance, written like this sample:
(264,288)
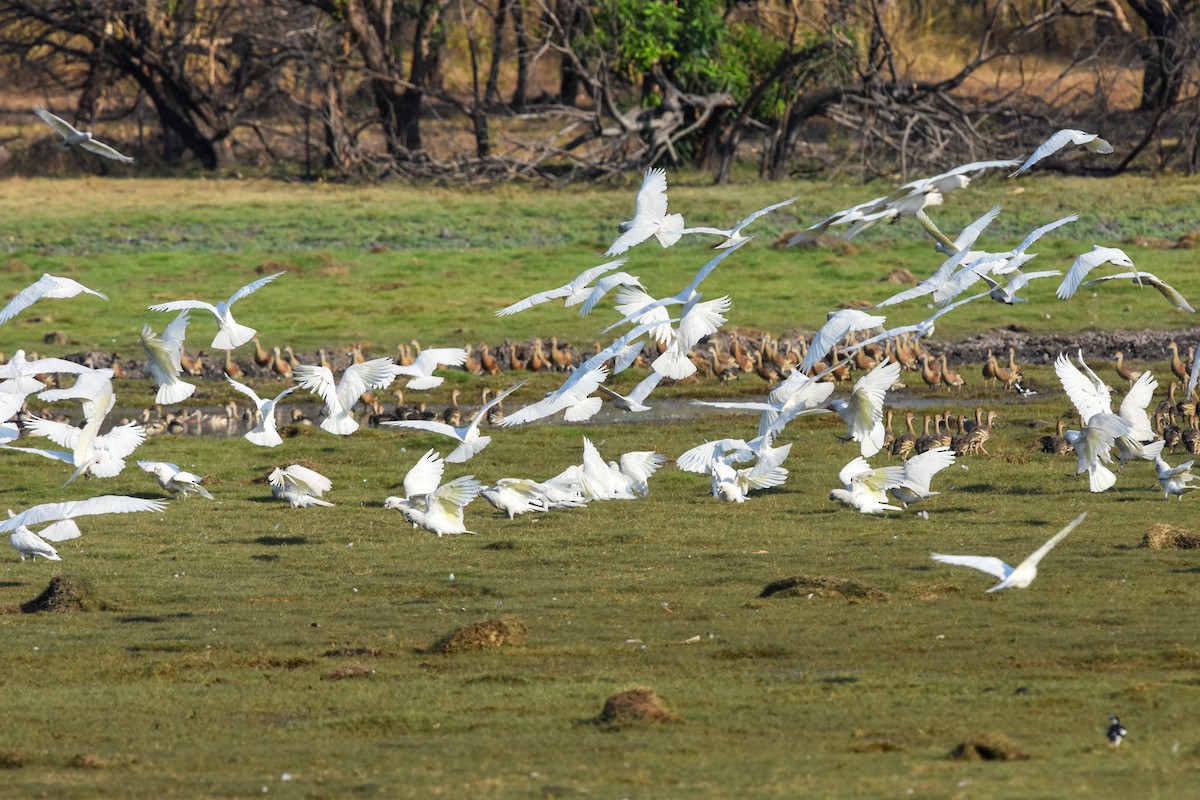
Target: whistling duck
(1124,371)
(261,357)
(949,376)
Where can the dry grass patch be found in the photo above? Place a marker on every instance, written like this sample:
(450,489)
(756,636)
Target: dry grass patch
(821,586)
(989,747)
(89,761)
(12,759)
(633,706)
(901,275)
(488,633)
(1161,536)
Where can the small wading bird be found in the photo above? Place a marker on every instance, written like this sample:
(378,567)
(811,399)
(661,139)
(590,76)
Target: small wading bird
(73,137)
(300,486)
(230,334)
(48,286)
(650,217)
(1061,139)
(63,515)
(174,479)
(1020,576)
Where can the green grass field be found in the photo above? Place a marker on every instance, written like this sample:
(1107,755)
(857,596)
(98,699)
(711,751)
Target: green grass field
(214,669)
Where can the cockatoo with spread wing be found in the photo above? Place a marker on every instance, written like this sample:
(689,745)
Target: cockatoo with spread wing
(1174,480)
(1142,278)
(469,438)
(863,412)
(1015,577)
(64,515)
(918,474)
(175,479)
(264,433)
(163,361)
(435,506)
(515,496)
(230,333)
(734,235)
(865,487)
(46,287)
(299,486)
(421,370)
(650,217)
(839,323)
(340,397)
(734,485)
(627,480)
(17,376)
(573,292)
(1088,261)
(73,137)
(1061,139)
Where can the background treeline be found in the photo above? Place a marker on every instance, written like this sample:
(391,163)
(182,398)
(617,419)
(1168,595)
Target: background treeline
(484,90)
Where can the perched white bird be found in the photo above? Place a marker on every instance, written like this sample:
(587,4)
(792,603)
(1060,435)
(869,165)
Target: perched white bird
(1020,576)
(612,481)
(1061,139)
(650,217)
(72,137)
(263,433)
(421,370)
(230,334)
(299,486)
(865,487)
(438,509)
(175,479)
(470,441)
(340,398)
(839,323)
(734,234)
(1142,278)
(48,286)
(574,292)
(64,515)
(918,474)
(1088,261)
(1174,480)
(163,361)
(863,412)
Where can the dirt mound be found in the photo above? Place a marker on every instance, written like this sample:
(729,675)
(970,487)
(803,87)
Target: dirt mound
(900,275)
(804,585)
(352,670)
(1162,536)
(989,747)
(487,633)
(635,705)
(12,759)
(89,761)
(64,595)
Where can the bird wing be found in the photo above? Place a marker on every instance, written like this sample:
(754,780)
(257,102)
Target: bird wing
(60,125)
(702,319)
(643,389)
(641,464)
(880,478)
(481,415)
(60,531)
(250,288)
(246,390)
(152,466)
(989,564)
(184,305)
(1038,233)
(920,469)
(1165,289)
(61,288)
(108,151)
(311,481)
(763,211)
(639,307)
(1056,142)
(358,378)
(1083,392)
(425,475)
(429,360)
(27,297)
(453,496)
(650,207)
(164,363)
(173,334)
(853,469)
(1133,407)
(700,457)
(104,504)
(966,238)
(60,433)
(1040,553)
(427,425)
(319,380)
(602,287)
(122,440)
(1083,264)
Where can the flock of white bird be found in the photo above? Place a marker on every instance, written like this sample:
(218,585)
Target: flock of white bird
(677,322)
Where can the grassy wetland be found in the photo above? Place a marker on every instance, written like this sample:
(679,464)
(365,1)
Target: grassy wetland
(246,647)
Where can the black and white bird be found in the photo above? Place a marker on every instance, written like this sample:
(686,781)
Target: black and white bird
(1115,732)
(72,137)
